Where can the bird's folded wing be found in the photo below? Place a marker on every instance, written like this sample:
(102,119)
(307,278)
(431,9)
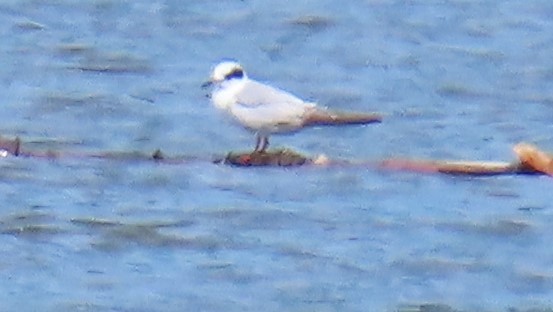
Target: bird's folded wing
(263,107)
(255,94)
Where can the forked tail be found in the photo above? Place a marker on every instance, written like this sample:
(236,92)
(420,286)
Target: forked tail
(321,117)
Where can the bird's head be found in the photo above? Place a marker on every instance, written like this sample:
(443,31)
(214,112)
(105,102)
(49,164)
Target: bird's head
(225,71)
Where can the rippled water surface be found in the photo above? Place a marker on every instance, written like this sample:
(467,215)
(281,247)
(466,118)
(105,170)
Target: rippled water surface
(455,79)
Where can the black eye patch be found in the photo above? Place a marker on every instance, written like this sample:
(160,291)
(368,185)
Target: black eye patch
(236,73)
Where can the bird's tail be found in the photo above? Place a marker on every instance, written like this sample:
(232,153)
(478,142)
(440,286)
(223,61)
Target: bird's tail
(323,117)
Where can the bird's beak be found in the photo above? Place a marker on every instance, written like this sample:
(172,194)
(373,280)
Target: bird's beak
(207,84)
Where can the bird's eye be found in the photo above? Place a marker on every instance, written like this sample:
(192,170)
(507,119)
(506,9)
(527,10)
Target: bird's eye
(236,73)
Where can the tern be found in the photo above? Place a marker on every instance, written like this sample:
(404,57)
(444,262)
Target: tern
(266,110)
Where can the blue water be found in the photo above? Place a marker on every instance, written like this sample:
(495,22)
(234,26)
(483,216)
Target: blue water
(455,80)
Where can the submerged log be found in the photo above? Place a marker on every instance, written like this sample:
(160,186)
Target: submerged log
(530,160)
(14,147)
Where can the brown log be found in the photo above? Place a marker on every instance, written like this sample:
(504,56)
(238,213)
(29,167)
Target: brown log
(532,157)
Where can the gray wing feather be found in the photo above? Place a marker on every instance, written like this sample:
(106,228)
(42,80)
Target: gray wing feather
(266,109)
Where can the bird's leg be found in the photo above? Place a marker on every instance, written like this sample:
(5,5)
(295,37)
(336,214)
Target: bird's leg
(264,143)
(261,143)
(257,143)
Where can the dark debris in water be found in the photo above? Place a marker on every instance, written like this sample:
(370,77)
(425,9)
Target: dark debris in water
(74,49)
(313,22)
(427,307)
(500,228)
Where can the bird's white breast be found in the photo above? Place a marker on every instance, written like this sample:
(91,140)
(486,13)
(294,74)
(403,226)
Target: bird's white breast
(224,96)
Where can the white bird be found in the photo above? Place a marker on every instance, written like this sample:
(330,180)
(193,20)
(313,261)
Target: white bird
(265,110)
